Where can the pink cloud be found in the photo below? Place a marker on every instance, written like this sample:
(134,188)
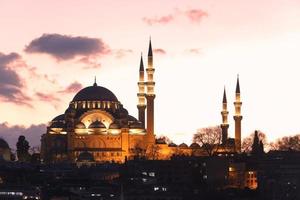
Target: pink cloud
(120,53)
(72,88)
(195,15)
(47,97)
(158,20)
(194,51)
(160,51)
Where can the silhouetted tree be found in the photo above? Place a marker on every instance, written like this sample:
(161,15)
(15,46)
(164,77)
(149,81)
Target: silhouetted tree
(165,139)
(248,141)
(209,138)
(153,152)
(22,149)
(139,150)
(287,143)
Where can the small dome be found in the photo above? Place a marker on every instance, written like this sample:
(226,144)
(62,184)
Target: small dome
(3,144)
(85,157)
(57,124)
(114,126)
(80,125)
(97,124)
(194,145)
(172,145)
(95,93)
(136,124)
(131,119)
(183,145)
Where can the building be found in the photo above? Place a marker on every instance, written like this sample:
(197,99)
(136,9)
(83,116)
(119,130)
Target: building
(97,126)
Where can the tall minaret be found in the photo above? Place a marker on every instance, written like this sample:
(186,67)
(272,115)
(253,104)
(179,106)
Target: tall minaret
(238,117)
(150,92)
(141,94)
(224,113)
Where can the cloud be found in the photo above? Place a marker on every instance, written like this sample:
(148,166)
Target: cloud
(120,53)
(159,51)
(66,47)
(72,88)
(193,15)
(47,97)
(32,133)
(194,51)
(158,20)
(11,84)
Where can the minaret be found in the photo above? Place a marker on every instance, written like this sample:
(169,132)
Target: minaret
(141,94)
(224,113)
(238,117)
(150,92)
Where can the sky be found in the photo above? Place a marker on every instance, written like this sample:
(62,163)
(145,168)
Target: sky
(49,50)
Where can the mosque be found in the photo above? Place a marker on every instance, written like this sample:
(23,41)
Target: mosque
(97,128)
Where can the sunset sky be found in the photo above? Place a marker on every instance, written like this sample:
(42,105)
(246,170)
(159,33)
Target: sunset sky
(50,49)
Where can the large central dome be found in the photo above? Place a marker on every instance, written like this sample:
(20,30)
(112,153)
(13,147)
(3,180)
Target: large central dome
(95,93)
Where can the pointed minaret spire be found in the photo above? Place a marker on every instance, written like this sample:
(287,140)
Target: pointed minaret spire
(224,113)
(141,63)
(150,96)
(150,48)
(95,81)
(141,93)
(238,117)
(237,89)
(224,96)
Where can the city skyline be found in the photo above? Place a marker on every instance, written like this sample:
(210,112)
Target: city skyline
(214,43)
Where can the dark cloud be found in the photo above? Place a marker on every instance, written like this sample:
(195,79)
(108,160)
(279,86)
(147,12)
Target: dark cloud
(65,47)
(159,51)
(158,20)
(195,15)
(120,53)
(32,133)
(11,84)
(72,88)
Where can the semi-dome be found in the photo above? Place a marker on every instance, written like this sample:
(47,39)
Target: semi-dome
(57,124)
(95,93)
(80,125)
(3,144)
(59,118)
(97,124)
(114,126)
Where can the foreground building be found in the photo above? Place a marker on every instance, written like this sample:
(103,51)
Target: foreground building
(97,128)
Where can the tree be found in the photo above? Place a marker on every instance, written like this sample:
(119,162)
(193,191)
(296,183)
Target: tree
(287,143)
(164,139)
(248,141)
(209,138)
(153,152)
(22,149)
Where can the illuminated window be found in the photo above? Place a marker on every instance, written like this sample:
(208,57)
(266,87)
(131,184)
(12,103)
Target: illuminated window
(152,174)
